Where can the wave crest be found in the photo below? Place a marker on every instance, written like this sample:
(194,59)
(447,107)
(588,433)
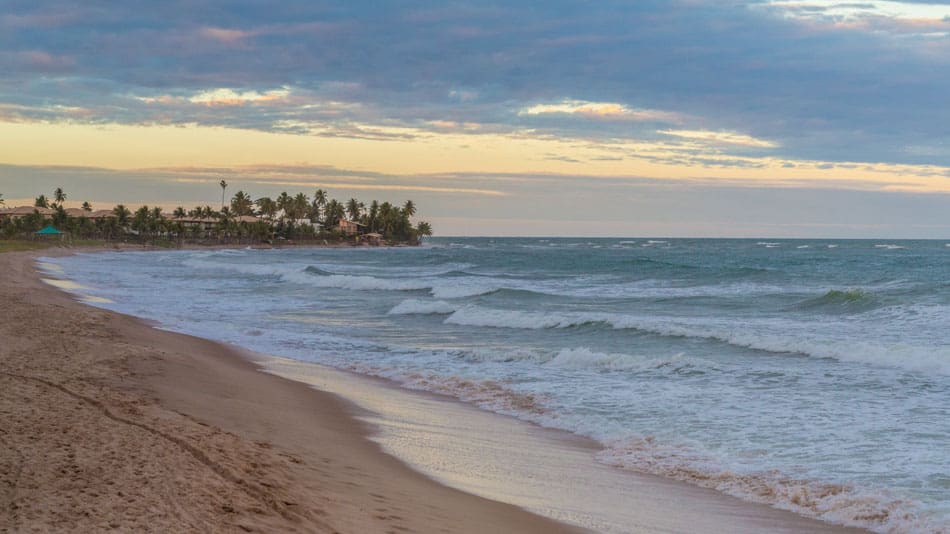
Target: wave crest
(422,307)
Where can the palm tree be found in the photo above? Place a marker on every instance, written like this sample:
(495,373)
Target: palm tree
(122,214)
(41,202)
(156,220)
(333,213)
(424,228)
(225,222)
(320,198)
(319,201)
(372,219)
(242,204)
(300,205)
(409,207)
(266,207)
(285,203)
(353,209)
(140,221)
(59,216)
(59,195)
(1,199)
(86,206)
(224,187)
(386,224)
(179,213)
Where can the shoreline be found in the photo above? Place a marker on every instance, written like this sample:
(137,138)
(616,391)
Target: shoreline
(108,423)
(544,470)
(180,391)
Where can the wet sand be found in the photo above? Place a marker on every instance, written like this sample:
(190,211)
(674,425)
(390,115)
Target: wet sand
(550,472)
(108,423)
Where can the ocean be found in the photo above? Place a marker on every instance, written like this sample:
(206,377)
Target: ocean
(810,375)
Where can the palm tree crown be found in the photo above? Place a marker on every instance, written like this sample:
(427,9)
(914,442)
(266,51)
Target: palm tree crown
(242,204)
(224,187)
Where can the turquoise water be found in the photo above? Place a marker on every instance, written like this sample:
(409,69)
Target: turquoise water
(809,375)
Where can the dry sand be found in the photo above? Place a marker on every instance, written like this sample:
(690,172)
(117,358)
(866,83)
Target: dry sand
(107,423)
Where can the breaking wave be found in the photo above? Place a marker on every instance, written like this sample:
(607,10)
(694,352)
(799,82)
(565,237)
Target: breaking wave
(905,356)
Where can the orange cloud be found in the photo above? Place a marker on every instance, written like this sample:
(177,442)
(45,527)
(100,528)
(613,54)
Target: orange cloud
(225,35)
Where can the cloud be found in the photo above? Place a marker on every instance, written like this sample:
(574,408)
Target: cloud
(721,138)
(602,110)
(820,80)
(230,97)
(225,35)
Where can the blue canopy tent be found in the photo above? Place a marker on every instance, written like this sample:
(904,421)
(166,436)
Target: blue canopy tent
(49,232)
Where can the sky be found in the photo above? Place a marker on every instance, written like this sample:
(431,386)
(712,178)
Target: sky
(725,118)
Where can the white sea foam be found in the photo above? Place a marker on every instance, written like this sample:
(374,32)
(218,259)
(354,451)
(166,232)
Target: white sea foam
(889,247)
(48,266)
(422,307)
(366,283)
(478,316)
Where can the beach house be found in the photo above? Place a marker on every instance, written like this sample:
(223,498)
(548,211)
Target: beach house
(23,211)
(347,227)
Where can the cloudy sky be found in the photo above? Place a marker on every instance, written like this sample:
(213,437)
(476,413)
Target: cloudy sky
(628,118)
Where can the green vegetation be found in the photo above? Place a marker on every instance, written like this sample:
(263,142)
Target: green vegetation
(287,218)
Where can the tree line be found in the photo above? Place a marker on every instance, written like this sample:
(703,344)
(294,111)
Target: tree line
(297,217)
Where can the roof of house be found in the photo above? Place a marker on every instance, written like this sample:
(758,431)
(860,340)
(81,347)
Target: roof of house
(99,214)
(26,210)
(189,219)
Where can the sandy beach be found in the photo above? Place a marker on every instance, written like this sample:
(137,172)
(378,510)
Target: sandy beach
(108,423)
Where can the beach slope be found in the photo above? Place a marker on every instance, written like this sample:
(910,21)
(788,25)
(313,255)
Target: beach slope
(108,423)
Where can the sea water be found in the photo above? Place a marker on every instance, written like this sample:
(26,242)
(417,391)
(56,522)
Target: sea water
(813,376)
